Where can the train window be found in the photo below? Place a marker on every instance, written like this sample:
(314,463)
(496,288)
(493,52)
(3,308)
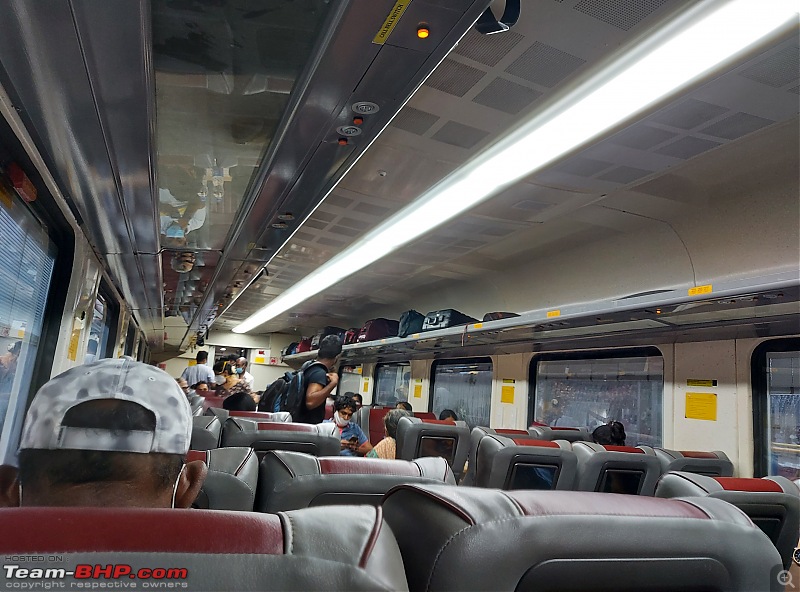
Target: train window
(776,408)
(349,380)
(465,386)
(99,331)
(391,384)
(26,268)
(588,390)
(130,340)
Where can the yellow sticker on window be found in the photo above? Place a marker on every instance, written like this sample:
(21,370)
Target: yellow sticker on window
(553,313)
(699,290)
(701,406)
(72,352)
(507,394)
(418,391)
(365,387)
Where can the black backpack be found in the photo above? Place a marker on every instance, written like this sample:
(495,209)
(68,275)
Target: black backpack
(287,393)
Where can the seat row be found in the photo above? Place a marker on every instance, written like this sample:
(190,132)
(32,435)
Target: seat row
(422,537)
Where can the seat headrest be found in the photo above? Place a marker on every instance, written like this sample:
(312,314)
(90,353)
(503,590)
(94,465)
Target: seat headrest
(280,416)
(206,430)
(521,462)
(214,550)
(448,536)
(231,480)
(681,483)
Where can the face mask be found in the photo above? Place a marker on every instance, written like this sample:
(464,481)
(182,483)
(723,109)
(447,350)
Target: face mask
(339,421)
(174,231)
(219,379)
(240,371)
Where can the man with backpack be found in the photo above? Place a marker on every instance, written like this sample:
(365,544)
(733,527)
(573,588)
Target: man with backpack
(303,393)
(320,380)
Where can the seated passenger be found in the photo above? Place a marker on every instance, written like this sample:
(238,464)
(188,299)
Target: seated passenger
(611,434)
(184,387)
(357,398)
(201,388)
(354,441)
(110,433)
(387,448)
(404,405)
(448,414)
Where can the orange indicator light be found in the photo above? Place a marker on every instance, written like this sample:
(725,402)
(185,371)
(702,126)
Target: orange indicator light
(423,32)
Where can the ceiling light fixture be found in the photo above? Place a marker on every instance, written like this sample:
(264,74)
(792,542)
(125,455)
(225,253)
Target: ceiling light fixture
(668,60)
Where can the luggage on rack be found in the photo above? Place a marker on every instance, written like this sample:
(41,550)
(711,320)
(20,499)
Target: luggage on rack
(351,336)
(378,329)
(496,316)
(442,319)
(410,322)
(324,332)
(290,349)
(304,345)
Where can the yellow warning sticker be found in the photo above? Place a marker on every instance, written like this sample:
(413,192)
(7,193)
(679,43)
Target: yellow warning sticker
(699,290)
(365,387)
(72,352)
(477,326)
(701,406)
(551,314)
(418,390)
(259,360)
(391,21)
(5,197)
(507,391)
(700,382)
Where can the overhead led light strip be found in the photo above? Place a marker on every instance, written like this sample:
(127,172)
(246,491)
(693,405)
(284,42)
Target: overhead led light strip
(683,57)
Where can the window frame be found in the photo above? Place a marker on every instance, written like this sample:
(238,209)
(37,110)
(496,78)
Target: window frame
(465,360)
(373,394)
(760,397)
(605,354)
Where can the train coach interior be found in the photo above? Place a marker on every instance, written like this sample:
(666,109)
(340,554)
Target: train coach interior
(622,178)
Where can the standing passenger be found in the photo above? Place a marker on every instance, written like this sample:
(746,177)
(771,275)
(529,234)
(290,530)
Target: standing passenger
(200,371)
(241,370)
(319,384)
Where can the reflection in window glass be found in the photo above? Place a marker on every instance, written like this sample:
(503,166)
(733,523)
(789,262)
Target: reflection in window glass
(350,380)
(591,392)
(465,386)
(25,271)
(98,333)
(391,384)
(783,413)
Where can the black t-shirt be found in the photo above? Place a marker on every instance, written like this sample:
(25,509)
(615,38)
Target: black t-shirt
(315,374)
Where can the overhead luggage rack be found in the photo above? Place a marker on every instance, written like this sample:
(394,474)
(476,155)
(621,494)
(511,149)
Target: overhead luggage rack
(772,300)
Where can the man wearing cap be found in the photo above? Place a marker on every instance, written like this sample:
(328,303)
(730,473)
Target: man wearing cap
(111,433)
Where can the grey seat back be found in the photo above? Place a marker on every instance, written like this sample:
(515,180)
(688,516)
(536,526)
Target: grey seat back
(524,463)
(712,464)
(319,440)
(430,437)
(616,469)
(475,436)
(206,431)
(292,480)
(468,538)
(231,480)
(560,433)
(773,503)
(211,550)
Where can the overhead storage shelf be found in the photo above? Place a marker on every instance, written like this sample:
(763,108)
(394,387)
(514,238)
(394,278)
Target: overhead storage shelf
(774,301)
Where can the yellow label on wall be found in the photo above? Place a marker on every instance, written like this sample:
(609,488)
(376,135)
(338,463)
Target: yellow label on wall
(701,406)
(365,386)
(551,314)
(507,391)
(259,360)
(700,382)
(707,289)
(72,352)
(192,363)
(391,21)
(418,390)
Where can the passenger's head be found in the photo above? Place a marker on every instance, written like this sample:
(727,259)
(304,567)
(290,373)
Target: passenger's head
(612,434)
(344,407)
(201,357)
(110,433)
(357,398)
(241,363)
(184,386)
(448,414)
(391,419)
(329,348)
(404,405)
(201,388)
